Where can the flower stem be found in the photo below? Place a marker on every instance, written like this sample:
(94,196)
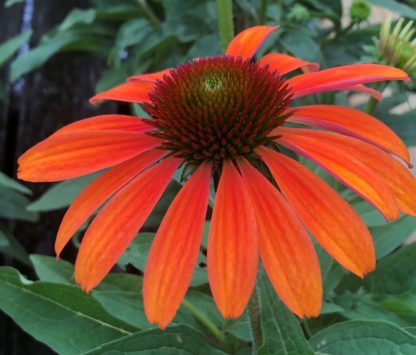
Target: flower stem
(253,309)
(225,22)
(263,11)
(153,19)
(372,102)
(205,321)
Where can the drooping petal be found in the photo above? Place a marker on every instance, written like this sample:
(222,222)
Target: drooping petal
(344,157)
(175,249)
(66,156)
(232,245)
(340,78)
(285,63)
(366,90)
(354,123)
(152,77)
(285,248)
(331,220)
(246,43)
(107,123)
(111,232)
(99,191)
(132,91)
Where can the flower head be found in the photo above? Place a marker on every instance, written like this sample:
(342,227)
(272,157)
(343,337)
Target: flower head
(396,45)
(225,117)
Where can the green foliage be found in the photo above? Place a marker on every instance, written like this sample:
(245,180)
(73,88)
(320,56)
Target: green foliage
(363,338)
(374,315)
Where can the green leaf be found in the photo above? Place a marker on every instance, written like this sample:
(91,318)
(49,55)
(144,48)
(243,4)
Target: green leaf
(9,245)
(281,331)
(395,274)
(369,214)
(39,55)
(61,195)
(78,16)
(397,7)
(13,205)
(402,305)
(8,48)
(300,43)
(49,269)
(13,184)
(363,338)
(404,125)
(61,316)
(389,237)
(171,341)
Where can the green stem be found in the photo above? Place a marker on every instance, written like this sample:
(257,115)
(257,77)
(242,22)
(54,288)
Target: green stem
(254,315)
(149,13)
(205,321)
(263,11)
(225,22)
(372,102)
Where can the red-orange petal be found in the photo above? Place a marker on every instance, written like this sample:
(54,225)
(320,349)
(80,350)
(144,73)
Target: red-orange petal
(331,220)
(232,245)
(107,123)
(69,155)
(285,248)
(285,63)
(344,157)
(353,123)
(152,77)
(246,43)
(132,91)
(399,179)
(99,191)
(111,232)
(175,249)
(343,77)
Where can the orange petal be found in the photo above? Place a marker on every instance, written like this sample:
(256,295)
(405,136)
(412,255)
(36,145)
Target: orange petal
(101,189)
(118,222)
(152,77)
(107,123)
(232,245)
(344,157)
(175,249)
(353,123)
(284,63)
(285,248)
(343,77)
(331,220)
(246,43)
(131,91)
(66,156)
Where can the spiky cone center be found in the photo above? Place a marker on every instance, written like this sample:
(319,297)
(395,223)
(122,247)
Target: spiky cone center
(217,108)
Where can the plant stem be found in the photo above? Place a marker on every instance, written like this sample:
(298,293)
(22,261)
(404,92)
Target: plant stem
(149,13)
(205,321)
(253,309)
(263,11)
(372,102)
(225,22)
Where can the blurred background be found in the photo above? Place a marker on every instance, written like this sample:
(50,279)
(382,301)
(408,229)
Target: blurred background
(55,55)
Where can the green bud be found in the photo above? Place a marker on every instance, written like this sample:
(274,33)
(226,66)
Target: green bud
(360,10)
(298,13)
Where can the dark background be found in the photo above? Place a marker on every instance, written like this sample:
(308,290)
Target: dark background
(43,101)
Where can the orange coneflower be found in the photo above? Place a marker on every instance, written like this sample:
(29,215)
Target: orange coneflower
(224,116)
